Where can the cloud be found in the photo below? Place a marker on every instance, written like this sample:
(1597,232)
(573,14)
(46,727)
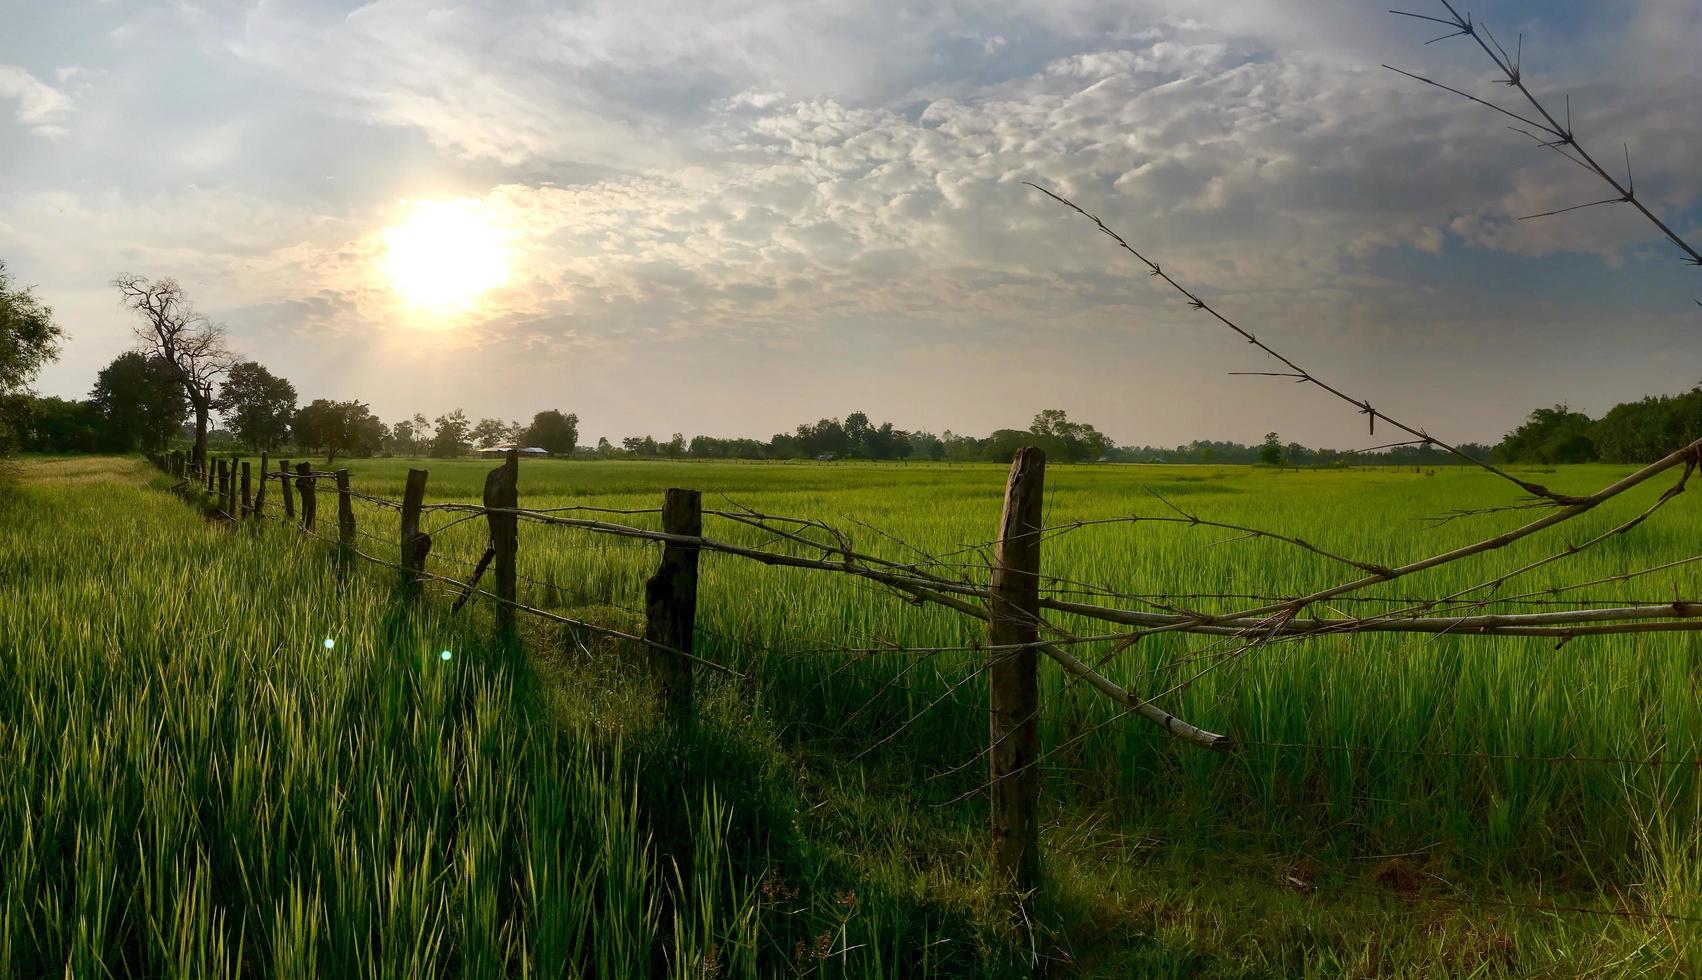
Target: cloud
(39,106)
(835,182)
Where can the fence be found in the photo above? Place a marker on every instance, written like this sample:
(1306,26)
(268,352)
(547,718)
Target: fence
(1011,604)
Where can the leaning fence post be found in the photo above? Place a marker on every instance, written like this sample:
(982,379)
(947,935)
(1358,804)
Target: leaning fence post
(501,492)
(284,489)
(345,512)
(670,602)
(1013,630)
(304,485)
(247,486)
(415,545)
(260,491)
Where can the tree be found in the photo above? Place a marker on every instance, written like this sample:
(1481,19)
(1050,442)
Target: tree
(338,428)
(553,432)
(140,402)
(29,339)
(1270,451)
(1550,435)
(926,445)
(402,435)
(192,344)
(452,434)
(57,425)
(257,405)
(1062,439)
(489,432)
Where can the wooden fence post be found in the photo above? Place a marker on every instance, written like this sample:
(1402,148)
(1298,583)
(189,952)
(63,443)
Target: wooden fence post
(247,486)
(284,489)
(224,484)
(207,472)
(305,485)
(415,545)
(1013,609)
(345,512)
(260,491)
(670,602)
(502,491)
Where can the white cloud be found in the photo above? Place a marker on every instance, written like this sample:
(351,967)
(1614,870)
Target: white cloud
(39,105)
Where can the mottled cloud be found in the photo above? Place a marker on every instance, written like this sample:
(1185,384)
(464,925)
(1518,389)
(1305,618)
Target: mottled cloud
(835,193)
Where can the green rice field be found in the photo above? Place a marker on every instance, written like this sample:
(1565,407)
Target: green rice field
(236,755)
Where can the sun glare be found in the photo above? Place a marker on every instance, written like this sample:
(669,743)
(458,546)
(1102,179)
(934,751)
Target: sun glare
(445,255)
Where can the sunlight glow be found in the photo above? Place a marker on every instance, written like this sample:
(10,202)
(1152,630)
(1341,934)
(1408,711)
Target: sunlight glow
(445,255)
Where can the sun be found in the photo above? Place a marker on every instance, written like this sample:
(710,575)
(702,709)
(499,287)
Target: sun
(445,255)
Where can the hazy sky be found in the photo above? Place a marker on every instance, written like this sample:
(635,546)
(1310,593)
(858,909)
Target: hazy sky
(727,218)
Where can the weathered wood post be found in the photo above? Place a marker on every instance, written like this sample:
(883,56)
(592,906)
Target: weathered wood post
(247,487)
(260,491)
(345,512)
(284,489)
(1013,629)
(223,472)
(415,545)
(670,603)
(304,485)
(501,491)
(207,472)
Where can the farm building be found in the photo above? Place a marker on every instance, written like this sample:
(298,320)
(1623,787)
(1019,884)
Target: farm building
(497,452)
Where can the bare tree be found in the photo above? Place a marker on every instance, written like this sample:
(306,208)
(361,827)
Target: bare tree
(193,345)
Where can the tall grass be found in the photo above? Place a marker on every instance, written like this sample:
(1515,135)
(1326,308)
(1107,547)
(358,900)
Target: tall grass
(211,790)
(1401,721)
(228,758)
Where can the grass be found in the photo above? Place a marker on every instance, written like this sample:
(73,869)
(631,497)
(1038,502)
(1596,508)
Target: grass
(212,791)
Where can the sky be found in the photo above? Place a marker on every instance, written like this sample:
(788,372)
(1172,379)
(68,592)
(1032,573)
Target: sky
(729,218)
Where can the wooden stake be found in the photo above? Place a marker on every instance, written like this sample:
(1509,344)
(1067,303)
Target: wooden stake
(304,485)
(247,499)
(284,489)
(501,491)
(345,511)
(1013,620)
(415,545)
(260,491)
(670,601)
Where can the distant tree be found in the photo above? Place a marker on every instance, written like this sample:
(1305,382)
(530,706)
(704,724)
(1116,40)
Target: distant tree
(1065,440)
(141,403)
(926,445)
(1550,435)
(1294,454)
(338,428)
(402,437)
(1270,451)
(172,331)
(1644,431)
(257,405)
(29,339)
(675,447)
(452,435)
(489,432)
(57,425)
(604,449)
(884,442)
(553,432)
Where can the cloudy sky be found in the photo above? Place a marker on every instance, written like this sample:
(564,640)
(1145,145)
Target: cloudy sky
(730,217)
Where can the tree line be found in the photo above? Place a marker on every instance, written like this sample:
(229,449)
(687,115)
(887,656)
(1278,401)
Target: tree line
(1630,432)
(183,373)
